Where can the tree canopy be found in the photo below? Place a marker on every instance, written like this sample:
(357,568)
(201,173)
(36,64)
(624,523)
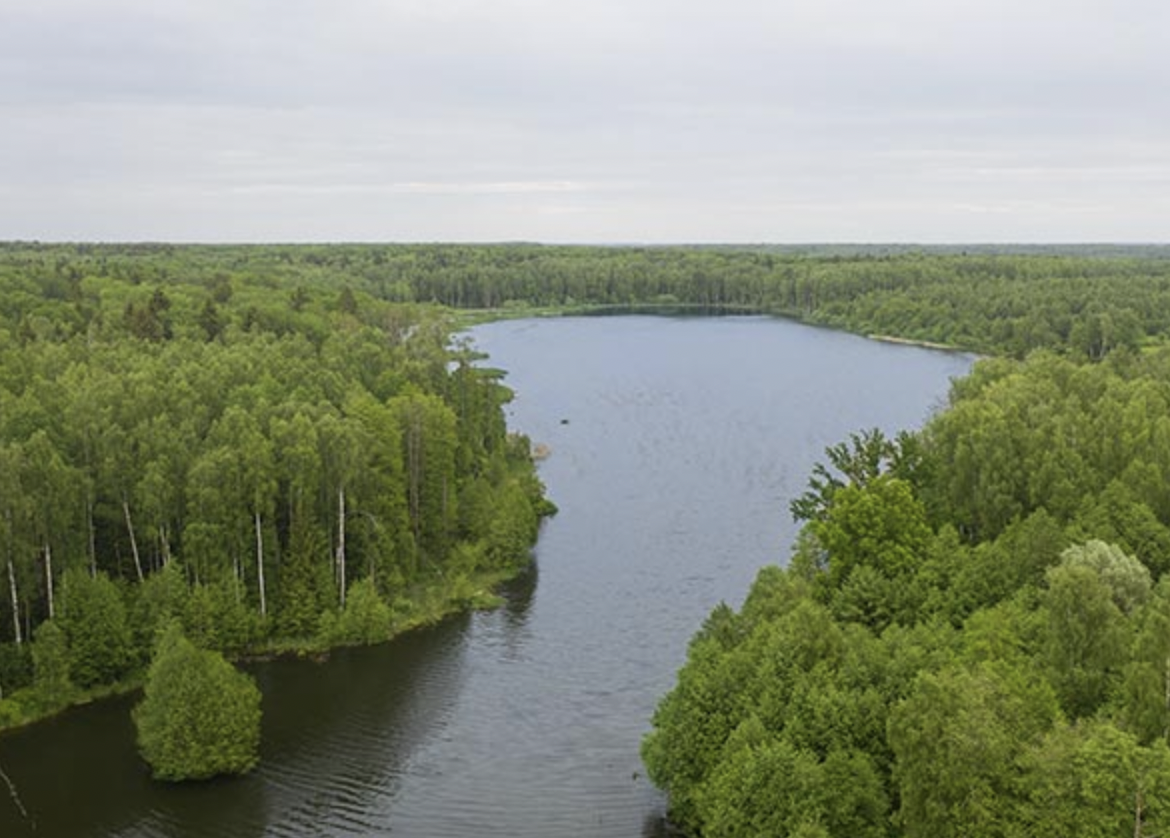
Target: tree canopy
(975,645)
(283,445)
(235,440)
(199,716)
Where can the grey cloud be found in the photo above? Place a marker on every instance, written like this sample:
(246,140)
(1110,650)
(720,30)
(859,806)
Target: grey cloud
(464,119)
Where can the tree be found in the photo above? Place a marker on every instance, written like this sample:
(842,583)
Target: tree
(880,525)
(216,617)
(50,484)
(199,717)
(1085,637)
(11,500)
(1146,688)
(1118,516)
(341,444)
(428,428)
(93,618)
(248,479)
(365,619)
(513,529)
(50,652)
(306,584)
(1094,781)
(211,321)
(1128,579)
(692,724)
(773,788)
(866,456)
(955,738)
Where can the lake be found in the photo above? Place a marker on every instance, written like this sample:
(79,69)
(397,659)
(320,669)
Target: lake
(676,445)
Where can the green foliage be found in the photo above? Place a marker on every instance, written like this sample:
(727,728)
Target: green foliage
(427,429)
(1094,780)
(51,664)
(1127,578)
(988,631)
(1146,690)
(93,619)
(867,456)
(1089,301)
(199,716)
(12,712)
(16,668)
(778,688)
(1085,637)
(268,422)
(229,436)
(161,598)
(954,738)
(513,528)
(1118,516)
(773,788)
(216,617)
(692,723)
(365,619)
(306,584)
(881,526)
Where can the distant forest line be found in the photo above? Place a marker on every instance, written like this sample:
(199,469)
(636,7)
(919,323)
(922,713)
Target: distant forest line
(1004,300)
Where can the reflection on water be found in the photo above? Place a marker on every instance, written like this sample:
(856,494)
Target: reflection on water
(337,737)
(335,752)
(685,441)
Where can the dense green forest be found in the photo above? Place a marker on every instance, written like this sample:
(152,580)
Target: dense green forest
(1004,301)
(282,446)
(280,462)
(973,634)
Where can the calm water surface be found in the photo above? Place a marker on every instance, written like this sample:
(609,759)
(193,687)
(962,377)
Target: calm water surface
(676,446)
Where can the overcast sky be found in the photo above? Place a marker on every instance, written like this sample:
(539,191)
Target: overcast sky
(585,120)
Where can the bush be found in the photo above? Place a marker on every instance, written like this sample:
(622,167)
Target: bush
(365,619)
(11,712)
(16,667)
(93,618)
(200,717)
(50,652)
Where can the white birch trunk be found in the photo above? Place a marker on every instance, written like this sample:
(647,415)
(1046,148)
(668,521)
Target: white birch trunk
(15,603)
(133,540)
(92,535)
(1166,697)
(341,544)
(49,577)
(260,566)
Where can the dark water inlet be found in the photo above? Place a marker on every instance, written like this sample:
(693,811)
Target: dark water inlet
(685,441)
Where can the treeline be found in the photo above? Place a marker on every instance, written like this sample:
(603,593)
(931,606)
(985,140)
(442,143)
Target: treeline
(972,637)
(275,462)
(1083,301)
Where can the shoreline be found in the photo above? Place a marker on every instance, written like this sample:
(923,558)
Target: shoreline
(484,598)
(923,344)
(466,318)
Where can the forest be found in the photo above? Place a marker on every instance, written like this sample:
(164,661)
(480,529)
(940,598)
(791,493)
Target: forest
(1005,301)
(288,446)
(278,463)
(972,636)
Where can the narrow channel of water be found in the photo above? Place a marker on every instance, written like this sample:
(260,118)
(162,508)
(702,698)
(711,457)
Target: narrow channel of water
(676,445)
